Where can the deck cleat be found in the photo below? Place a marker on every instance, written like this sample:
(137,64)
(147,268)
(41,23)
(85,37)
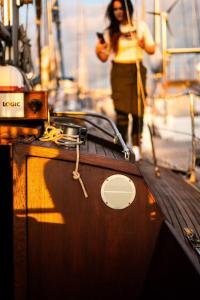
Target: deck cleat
(193,239)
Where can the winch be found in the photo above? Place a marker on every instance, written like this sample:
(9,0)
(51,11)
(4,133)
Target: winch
(71,129)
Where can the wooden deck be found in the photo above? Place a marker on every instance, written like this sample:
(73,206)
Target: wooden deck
(179,202)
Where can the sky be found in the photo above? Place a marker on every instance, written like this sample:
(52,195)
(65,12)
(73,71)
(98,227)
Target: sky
(81,19)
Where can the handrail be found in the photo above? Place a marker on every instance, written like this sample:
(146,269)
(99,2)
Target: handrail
(177,132)
(185,92)
(182,50)
(191,93)
(117,136)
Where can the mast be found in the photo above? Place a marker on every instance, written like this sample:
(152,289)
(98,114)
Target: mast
(38,26)
(11,23)
(53,67)
(82,52)
(11,20)
(14,22)
(56,20)
(197,11)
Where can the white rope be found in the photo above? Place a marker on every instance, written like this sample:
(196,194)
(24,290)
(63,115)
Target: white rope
(51,133)
(128,13)
(57,136)
(140,87)
(76,174)
(139,81)
(139,84)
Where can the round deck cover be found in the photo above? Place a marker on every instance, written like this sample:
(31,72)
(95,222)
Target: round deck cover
(118,191)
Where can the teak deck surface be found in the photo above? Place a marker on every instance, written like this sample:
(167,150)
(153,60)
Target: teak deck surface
(178,200)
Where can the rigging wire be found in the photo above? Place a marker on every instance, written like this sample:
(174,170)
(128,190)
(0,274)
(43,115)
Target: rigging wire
(197,19)
(194,33)
(140,87)
(185,24)
(185,38)
(128,13)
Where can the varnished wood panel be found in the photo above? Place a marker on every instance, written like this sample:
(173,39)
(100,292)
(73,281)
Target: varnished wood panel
(6,274)
(75,246)
(19,225)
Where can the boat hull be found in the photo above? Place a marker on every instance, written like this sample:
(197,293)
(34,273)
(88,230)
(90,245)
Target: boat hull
(67,246)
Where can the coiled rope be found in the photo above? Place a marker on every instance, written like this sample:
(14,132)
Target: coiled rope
(57,136)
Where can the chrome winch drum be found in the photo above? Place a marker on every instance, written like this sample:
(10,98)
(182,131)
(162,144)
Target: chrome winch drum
(70,129)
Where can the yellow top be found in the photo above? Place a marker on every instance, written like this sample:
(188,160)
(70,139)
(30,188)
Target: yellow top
(128,49)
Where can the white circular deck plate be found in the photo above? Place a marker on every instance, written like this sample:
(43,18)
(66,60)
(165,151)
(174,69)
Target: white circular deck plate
(118,191)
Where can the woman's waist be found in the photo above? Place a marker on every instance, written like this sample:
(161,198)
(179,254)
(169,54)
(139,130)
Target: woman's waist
(127,62)
(128,56)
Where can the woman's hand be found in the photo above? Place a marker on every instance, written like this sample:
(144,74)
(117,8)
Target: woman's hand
(141,43)
(150,49)
(102,51)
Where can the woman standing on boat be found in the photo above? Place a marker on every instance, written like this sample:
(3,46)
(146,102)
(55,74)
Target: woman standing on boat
(124,41)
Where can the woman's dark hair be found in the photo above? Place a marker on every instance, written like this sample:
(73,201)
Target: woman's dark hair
(113,27)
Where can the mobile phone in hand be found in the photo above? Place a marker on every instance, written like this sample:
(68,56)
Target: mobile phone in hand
(101,37)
